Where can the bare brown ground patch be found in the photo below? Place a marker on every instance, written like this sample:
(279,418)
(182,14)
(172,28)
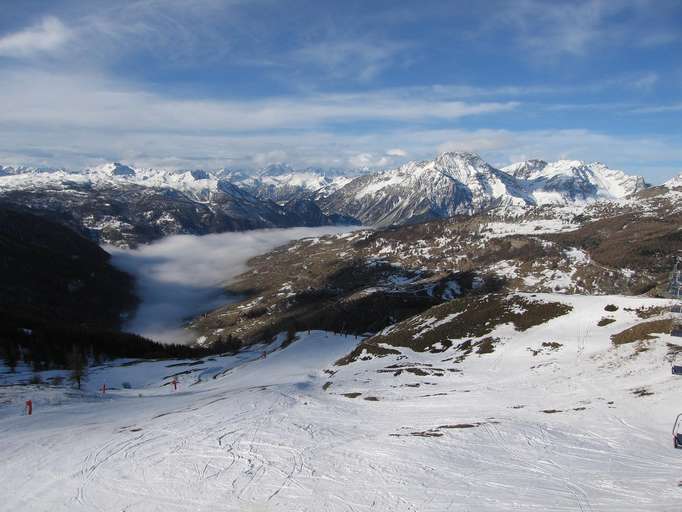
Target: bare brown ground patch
(642,392)
(642,332)
(352,395)
(546,347)
(437,431)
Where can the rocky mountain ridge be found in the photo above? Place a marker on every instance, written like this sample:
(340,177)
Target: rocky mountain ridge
(117,204)
(462,183)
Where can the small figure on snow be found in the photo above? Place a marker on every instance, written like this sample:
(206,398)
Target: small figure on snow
(29,407)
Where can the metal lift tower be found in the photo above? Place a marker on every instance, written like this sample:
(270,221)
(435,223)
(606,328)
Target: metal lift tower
(675,292)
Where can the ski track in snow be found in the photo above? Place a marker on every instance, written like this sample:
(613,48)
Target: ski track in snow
(264,435)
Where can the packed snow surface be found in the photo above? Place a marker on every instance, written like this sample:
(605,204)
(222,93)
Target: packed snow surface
(578,425)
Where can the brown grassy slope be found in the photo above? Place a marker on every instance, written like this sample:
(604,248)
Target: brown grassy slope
(630,241)
(642,332)
(459,320)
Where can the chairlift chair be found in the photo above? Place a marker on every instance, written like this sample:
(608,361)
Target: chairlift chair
(677,432)
(676,330)
(676,314)
(676,320)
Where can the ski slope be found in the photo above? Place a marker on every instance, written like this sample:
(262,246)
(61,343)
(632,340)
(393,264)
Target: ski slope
(583,427)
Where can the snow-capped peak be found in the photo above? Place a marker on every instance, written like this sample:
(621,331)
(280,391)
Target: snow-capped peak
(453,183)
(277,169)
(199,174)
(461,165)
(571,181)
(524,170)
(115,169)
(675,182)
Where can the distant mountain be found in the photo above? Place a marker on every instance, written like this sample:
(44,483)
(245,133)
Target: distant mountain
(573,181)
(453,183)
(675,182)
(462,183)
(118,204)
(282,183)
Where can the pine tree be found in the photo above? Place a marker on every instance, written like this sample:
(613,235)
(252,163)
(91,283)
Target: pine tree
(77,366)
(11,355)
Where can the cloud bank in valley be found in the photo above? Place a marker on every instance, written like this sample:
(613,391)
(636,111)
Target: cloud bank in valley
(182,276)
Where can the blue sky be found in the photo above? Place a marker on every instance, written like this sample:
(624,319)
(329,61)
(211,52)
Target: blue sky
(241,84)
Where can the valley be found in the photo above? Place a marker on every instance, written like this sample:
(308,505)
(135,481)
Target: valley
(341,256)
(510,346)
(184,276)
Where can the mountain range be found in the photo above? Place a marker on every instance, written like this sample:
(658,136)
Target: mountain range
(462,183)
(119,204)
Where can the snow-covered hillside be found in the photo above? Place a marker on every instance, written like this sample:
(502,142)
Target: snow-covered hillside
(453,183)
(675,182)
(198,201)
(554,416)
(462,183)
(282,183)
(121,205)
(573,181)
(198,184)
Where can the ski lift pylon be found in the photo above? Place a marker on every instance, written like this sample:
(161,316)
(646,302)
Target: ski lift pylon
(677,433)
(675,292)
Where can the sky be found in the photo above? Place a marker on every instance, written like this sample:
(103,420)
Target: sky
(340,84)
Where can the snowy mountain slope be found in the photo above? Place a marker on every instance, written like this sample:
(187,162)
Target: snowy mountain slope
(555,417)
(117,204)
(462,183)
(282,183)
(196,184)
(675,182)
(573,181)
(453,183)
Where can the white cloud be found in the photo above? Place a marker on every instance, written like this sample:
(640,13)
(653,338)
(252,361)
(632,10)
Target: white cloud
(87,101)
(577,27)
(78,120)
(656,157)
(47,36)
(369,161)
(355,59)
(646,82)
(658,109)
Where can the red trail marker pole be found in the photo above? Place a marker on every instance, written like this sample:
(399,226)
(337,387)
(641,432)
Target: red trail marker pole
(29,407)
